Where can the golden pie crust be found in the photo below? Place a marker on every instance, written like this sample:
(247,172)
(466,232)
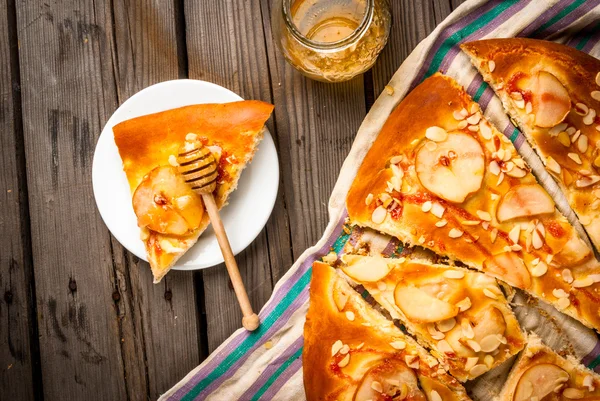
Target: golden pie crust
(149,141)
(540,373)
(352,352)
(559,114)
(462,315)
(440,176)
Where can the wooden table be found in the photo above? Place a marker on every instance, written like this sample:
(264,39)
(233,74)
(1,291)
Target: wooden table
(79,316)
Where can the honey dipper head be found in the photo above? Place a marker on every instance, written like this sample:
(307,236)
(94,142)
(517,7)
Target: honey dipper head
(197,165)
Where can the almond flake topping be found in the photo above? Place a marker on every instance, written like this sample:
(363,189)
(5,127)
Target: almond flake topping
(350,315)
(514,234)
(463,124)
(336,347)
(464,112)
(583,282)
(486,131)
(396,159)
(494,167)
(581,109)
(375,385)
(379,215)
(491,65)
(474,119)
(483,215)
(590,117)
(399,345)
(539,270)
(464,304)
(444,347)
(500,178)
(435,334)
(369,199)
(474,345)
(489,361)
(563,303)
(381,286)
(441,223)
(596,95)
(435,396)
(567,276)
(559,293)
(454,274)
(473,128)
(588,382)
(467,329)
(553,165)
(412,361)
(345,349)
(426,207)
(455,233)
(471,361)
(528,107)
(493,235)
(598,79)
(575,157)
(489,343)
(557,129)
(436,134)
(587,181)
(582,143)
(446,325)
(478,370)
(437,210)
(345,361)
(520,103)
(488,293)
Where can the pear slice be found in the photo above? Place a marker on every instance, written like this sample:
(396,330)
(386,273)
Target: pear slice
(420,307)
(508,267)
(366,269)
(165,203)
(394,379)
(453,169)
(538,381)
(489,321)
(551,102)
(430,385)
(524,201)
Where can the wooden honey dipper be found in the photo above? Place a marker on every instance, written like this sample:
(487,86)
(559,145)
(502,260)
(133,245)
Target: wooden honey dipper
(198,166)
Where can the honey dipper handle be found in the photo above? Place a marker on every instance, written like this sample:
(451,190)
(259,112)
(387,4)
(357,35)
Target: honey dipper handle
(250,321)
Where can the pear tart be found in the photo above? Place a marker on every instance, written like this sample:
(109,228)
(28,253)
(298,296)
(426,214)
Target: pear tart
(353,353)
(440,176)
(541,374)
(461,315)
(553,93)
(170,214)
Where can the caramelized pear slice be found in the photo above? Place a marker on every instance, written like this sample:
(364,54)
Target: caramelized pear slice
(452,169)
(538,381)
(165,203)
(551,102)
(508,267)
(420,307)
(489,321)
(524,201)
(394,379)
(366,269)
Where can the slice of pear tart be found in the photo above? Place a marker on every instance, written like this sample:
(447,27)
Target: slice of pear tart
(440,176)
(541,374)
(552,92)
(461,315)
(353,353)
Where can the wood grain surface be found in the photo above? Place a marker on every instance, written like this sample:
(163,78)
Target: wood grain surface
(79,315)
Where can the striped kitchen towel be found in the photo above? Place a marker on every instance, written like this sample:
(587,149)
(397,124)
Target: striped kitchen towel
(267,364)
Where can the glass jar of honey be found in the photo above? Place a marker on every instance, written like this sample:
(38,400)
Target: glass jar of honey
(331,40)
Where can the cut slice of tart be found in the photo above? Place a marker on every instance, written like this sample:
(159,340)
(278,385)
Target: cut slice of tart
(461,315)
(440,176)
(541,374)
(170,215)
(352,352)
(553,93)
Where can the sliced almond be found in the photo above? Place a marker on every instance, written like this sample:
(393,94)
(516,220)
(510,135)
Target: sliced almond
(446,325)
(471,361)
(455,233)
(491,65)
(478,370)
(588,382)
(437,210)
(435,396)
(336,347)
(489,361)
(590,117)
(454,274)
(426,207)
(474,119)
(350,315)
(412,361)
(583,282)
(396,159)
(458,115)
(474,345)
(552,165)
(489,343)
(436,134)
(483,215)
(462,124)
(488,293)
(464,304)
(581,109)
(399,344)
(467,329)
(345,361)
(596,95)
(494,167)
(379,215)
(539,270)
(369,199)
(444,347)
(559,293)
(598,79)
(441,223)
(582,144)
(587,181)
(486,131)
(375,385)
(514,234)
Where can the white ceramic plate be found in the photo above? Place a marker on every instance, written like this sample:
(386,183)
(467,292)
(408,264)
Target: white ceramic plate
(250,205)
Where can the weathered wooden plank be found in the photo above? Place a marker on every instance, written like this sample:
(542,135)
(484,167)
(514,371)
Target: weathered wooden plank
(225,43)
(17,320)
(316,124)
(158,323)
(413,21)
(65,57)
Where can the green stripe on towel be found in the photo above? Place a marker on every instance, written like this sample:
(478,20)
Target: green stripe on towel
(276,374)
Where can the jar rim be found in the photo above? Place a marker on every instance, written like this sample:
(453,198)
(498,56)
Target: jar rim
(338,44)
